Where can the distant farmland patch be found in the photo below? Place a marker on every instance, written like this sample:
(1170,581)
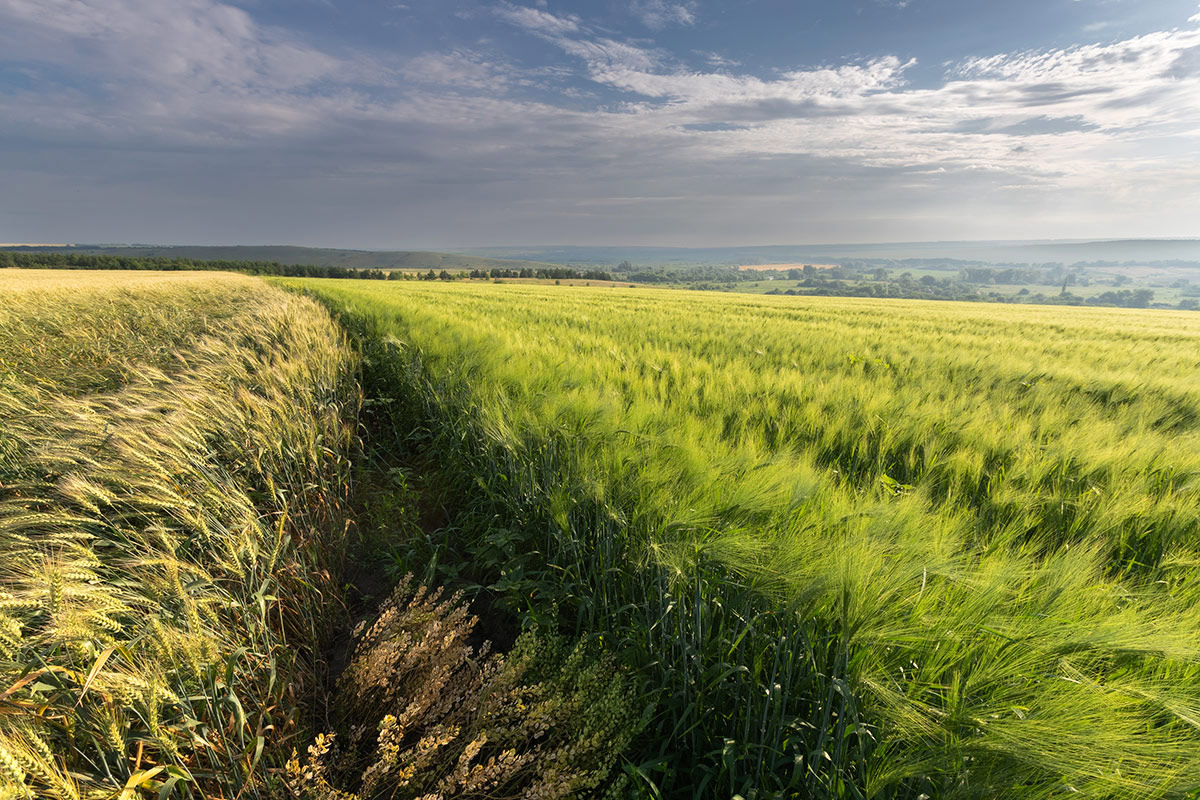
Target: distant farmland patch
(769,267)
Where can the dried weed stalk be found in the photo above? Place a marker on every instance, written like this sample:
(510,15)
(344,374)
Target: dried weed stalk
(430,718)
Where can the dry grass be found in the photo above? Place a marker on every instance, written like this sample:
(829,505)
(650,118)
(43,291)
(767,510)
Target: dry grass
(427,716)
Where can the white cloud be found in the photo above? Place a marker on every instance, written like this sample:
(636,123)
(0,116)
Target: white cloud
(459,69)
(568,34)
(698,90)
(658,14)
(718,60)
(537,20)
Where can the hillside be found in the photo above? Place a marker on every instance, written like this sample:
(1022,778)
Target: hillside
(287,254)
(1066,251)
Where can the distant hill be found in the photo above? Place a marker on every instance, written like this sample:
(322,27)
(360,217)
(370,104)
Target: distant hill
(284,254)
(1036,251)
(1142,251)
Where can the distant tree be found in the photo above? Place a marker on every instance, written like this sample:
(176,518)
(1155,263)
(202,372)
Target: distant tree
(1128,298)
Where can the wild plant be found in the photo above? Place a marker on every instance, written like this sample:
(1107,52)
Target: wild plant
(426,714)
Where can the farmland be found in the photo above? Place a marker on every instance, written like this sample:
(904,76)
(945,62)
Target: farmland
(173,472)
(730,544)
(859,548)
(179,464)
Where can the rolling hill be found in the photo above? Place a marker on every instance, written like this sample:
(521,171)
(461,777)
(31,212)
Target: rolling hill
(286,254)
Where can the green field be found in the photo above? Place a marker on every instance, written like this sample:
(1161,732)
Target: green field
(728,544)
(861,548)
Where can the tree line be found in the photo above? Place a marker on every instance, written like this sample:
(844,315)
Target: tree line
(117,262)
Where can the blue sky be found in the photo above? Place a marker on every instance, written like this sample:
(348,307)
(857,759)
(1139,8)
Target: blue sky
(454,123)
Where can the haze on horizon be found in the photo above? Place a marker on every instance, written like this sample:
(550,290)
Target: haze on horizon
(454,123)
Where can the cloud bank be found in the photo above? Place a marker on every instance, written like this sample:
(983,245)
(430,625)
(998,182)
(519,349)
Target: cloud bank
(162,96)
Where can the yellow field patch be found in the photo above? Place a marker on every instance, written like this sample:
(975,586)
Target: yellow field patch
(26,279)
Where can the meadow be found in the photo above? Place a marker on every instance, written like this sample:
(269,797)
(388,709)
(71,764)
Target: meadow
(854,548)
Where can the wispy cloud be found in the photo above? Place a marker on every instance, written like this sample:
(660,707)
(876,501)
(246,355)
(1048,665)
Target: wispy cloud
(537,20)
(657,14)
(567,33)
(718,60)
(458,69)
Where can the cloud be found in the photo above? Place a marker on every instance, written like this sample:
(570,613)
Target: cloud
(718,60)
(193,42)
(203,73)
(459,69)
(697,90)
(573,38)
(657,14)
(163,94)
(536,20)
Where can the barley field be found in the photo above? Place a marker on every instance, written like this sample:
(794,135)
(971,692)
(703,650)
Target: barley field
(174,464)
(763,547)
(180,460)
(855,548)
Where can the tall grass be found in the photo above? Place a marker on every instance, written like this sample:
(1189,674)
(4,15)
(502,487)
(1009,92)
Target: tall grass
(174,470)
(859,548)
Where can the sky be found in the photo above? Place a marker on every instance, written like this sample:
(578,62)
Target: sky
(436,124)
